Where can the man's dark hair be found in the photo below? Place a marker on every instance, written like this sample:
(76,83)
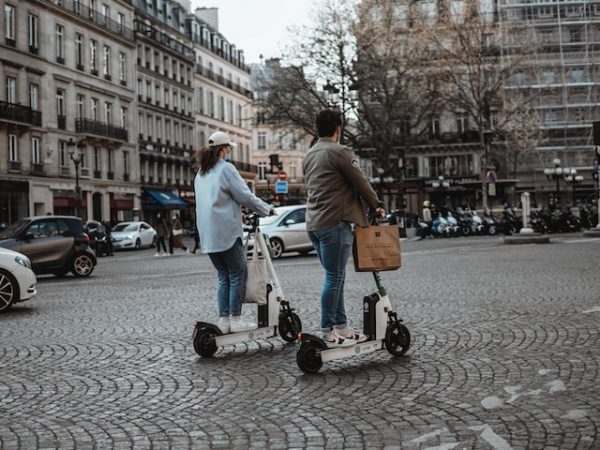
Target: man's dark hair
(327,121)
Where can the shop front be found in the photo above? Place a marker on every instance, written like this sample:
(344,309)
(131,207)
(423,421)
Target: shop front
(155,201)
(14,203)
(122,207)
(66,203)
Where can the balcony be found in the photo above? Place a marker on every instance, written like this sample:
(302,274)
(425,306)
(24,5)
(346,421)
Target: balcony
(110,175)
(100,129)
(20,113)
(97,174)
(14,166)
(65,171)
(125,177)
(79,9)
(84,172)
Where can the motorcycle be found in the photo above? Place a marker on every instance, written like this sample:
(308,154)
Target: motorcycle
(423,229)
(538,224)
(440,227)
(475,223)
(489,225)
(453,228)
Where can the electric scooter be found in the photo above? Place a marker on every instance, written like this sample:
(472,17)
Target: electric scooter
(382,326)
(276,316)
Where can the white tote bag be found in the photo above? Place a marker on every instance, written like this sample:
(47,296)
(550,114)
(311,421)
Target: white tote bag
(257,276)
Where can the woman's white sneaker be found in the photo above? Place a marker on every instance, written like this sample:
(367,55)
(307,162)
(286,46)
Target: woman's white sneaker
(334,340)
(238,324)
(224,325)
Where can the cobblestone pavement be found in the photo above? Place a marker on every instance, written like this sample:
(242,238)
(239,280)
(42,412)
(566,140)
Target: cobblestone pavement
(505,354)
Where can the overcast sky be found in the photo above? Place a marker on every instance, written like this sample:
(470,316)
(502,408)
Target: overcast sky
(258,26)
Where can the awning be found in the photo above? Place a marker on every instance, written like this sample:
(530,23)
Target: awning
(162,200)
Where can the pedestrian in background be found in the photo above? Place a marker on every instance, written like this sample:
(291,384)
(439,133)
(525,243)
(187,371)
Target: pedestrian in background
(220,194)
(162,233)
(196,238)
(176,239)
(337,192)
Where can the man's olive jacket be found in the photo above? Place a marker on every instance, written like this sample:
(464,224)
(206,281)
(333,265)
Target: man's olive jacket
(337,190)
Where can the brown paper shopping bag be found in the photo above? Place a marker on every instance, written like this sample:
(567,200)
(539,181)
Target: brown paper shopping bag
(376,248)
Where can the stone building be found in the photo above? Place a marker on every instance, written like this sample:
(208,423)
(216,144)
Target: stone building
(67,135)
(165,116)
(222,89)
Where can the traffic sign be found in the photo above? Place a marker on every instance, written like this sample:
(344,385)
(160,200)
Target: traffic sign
(281,187)
(282,175)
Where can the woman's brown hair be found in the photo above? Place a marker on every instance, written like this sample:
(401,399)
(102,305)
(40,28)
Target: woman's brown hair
(208,157)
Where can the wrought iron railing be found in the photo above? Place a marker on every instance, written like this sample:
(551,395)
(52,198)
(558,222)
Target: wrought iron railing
(100,129)
(20,113)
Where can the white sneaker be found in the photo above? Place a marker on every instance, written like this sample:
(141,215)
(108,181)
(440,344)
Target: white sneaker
(238,324)
(334,340)
(348,333)
(223,325)
(187,251)
(157,254)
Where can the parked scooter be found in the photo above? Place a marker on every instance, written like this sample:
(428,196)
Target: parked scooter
(423,229)
(490,225)
(440,227)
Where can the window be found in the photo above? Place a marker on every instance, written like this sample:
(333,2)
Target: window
(13,150)
(108,113)
(60,44)
(262,140)
(33,96)
(157,93)
(575,35)
(110,160)
(239,115)
(96,159)
(159,130)
(222,107)
(94,56)
(60,102)
(125,162)
(105,13)
(79,106)
(83,156)
(211,104)
(79,50)
(94,108)
(262,170)
(11,90)
(141,124)
(33,32)
(120,22)
(462,122)
(166,98)
(36,157)
(123,121)
(435,127)
(122,67)
(9,22)
(62,153)
(106,60)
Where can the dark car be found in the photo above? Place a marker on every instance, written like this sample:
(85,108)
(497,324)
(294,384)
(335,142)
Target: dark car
(54,244)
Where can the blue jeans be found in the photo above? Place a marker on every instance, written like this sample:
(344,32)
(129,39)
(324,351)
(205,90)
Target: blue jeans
(231,268)
(333,245)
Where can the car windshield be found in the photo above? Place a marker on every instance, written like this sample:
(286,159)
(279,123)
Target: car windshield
(125,227)
(14,230)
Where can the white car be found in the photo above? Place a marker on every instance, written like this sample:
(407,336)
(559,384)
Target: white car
(286,231)
(132,235)
(17,280)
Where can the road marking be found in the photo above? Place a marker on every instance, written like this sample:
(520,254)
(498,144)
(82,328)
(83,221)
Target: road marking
(497,442)
(428,436)
(581,241)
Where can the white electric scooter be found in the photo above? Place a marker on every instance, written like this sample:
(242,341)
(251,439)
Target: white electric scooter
(276,316)
(382,327)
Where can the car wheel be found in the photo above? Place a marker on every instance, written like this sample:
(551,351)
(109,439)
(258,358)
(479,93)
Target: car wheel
(9,291)
(153,244)
(83,265)
(276,248)
(138,244)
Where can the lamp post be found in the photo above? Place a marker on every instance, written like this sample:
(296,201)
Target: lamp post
(77,158)
(572,179)
(555,174)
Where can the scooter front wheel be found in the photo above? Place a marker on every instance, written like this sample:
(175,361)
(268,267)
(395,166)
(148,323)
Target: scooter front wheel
(204,342)
(289,327)
(397,339)
(308,357)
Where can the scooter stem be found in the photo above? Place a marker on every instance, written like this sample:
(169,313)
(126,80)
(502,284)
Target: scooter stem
(380,288)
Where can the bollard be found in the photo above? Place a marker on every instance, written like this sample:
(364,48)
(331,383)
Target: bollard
(526,202)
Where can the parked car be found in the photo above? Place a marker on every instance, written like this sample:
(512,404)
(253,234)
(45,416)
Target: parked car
(54,244)
(17,280)
(133,235)
(286,231)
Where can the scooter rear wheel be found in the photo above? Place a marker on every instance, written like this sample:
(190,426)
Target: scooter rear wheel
(308,357)
(397,339)
(204,342)
(289,327)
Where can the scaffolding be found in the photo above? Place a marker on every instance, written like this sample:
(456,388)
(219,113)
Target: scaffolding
(563,73)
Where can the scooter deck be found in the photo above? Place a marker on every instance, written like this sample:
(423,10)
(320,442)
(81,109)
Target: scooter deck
(243,336)
(358,349)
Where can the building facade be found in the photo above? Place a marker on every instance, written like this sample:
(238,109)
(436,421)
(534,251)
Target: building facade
(165,118)
(223,96)
(66,139)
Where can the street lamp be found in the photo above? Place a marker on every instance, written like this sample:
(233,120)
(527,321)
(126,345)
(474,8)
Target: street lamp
(77,158)
(572,179)
(555,174)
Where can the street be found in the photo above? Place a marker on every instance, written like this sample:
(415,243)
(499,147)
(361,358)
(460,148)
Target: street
(505,354)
